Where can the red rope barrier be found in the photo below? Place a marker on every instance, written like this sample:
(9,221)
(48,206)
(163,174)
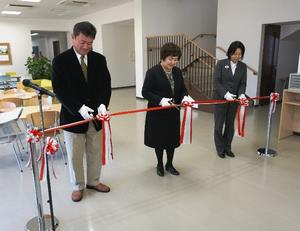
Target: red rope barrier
(209,101)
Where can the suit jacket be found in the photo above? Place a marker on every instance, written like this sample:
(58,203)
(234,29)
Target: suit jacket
(162,128)
(73,90)
(224,80)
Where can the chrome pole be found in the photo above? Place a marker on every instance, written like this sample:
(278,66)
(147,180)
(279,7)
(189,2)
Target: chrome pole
(36,223)
(267,152)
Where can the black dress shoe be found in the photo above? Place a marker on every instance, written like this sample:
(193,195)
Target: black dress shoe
(221,155)
(160,170)
(172,170)
(230,153)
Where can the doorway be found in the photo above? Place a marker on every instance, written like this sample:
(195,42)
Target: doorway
(269,61)
(119,50)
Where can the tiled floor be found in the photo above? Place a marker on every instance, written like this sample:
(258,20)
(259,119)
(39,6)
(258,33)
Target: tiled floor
(245,193)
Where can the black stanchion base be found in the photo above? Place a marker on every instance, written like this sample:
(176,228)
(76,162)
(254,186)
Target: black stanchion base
(262,152)
(33,224)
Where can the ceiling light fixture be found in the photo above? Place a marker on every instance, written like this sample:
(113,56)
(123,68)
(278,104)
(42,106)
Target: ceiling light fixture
(30,0)
(34,34)
(11,12)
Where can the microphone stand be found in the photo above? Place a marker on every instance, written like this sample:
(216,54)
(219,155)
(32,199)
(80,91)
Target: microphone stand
(47,220)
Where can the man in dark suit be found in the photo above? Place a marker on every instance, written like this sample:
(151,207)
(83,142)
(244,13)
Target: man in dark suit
(230,79)
(81,81)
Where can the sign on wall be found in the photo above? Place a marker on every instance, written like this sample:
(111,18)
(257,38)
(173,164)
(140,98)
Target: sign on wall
(5,54)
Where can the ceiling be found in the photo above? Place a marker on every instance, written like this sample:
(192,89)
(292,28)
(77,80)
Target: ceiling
(56,9)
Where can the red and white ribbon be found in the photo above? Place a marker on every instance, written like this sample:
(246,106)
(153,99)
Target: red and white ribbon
(274,97)
(242,112)
(186,124)
(107,149)
(33,136)
(51,147)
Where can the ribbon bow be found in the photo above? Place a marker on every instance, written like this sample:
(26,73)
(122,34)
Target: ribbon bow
(34,135)
(51,147)
(186,103)
(244,102)
(107,151)
(186,123)
(242,111)
(101,117)
(274,97)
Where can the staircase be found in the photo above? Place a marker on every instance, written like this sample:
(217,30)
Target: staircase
(197,65)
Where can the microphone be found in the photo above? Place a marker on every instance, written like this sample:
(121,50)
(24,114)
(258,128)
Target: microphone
(28,83)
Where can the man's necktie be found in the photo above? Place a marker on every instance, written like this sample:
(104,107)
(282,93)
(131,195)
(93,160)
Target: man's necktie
(83,66)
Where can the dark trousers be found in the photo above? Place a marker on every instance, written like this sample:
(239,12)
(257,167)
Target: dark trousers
(224,115)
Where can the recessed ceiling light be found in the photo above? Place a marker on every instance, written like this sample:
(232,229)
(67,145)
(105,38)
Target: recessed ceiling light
(34,34)
(11,12)
(30,0)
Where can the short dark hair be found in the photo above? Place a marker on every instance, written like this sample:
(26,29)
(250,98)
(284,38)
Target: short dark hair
(86,28)
(169,49)
(233,47)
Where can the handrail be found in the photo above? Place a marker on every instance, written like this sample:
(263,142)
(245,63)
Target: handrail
(187,38)
(202,35)
(250,68)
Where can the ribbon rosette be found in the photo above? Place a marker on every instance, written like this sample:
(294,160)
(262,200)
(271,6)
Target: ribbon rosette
(242,109)
(107,150)
(274,97)
(34,135)
(186,124)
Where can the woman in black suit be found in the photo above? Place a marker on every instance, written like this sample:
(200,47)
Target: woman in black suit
(230,79)
(163,86)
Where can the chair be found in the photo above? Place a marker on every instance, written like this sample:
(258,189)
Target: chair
(14,91)
(51,119)
(16,101)
(6,106)
(10,130)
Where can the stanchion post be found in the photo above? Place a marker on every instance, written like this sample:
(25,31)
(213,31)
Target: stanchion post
(267,152)
(36,223)
(48,222)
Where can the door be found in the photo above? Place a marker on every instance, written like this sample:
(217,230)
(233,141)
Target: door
(269,62)
(56,48)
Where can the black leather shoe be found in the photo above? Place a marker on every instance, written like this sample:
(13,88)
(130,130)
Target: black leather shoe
(172,170)
(230,153)
(221,155)
(160,170)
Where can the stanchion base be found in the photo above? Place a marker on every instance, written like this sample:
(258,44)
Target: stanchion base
(262,152)
(33,224)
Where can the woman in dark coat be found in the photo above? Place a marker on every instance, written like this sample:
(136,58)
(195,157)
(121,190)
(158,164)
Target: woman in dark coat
(163,86)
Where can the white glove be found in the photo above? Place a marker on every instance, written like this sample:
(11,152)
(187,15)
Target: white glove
(229,96)
(86,112)
(102,109)
(190,100)
(165,102)
(242,96)
(186,99)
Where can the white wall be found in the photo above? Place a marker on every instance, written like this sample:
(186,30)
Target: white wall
(17,33)
(243,19)
(115,14)
(164,17)
(118,47)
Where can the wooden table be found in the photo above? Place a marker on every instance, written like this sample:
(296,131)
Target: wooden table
(30,109)
(25,95)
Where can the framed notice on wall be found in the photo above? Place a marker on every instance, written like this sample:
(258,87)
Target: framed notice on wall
(5,55)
